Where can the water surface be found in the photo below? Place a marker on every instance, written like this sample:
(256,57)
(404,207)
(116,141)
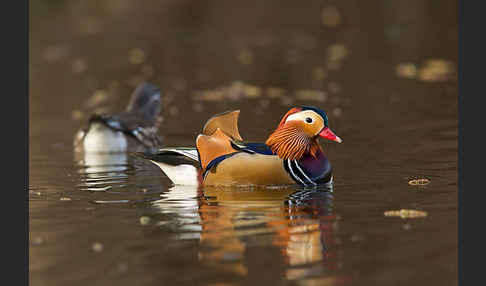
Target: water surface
(384,73)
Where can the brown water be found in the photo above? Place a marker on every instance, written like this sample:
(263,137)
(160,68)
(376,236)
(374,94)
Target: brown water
(384,72)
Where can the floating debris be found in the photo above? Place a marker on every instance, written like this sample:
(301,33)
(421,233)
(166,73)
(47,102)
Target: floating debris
(235,91)
(97,247)
(37,241)
(252,91)
(406,70)
(35,193)
(419,182)
(337,52)
(136,56)
(407,226)
(144,220)
(65,199)
(436,70)
(330,16)
(403,213)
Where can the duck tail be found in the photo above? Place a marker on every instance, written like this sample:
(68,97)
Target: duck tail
(181,165)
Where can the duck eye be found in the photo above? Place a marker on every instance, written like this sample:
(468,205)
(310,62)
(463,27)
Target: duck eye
(308,120)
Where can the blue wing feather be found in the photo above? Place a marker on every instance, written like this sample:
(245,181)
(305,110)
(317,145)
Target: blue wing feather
(254,147)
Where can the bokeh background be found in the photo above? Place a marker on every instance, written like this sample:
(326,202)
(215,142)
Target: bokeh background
(362,57)
(384,71)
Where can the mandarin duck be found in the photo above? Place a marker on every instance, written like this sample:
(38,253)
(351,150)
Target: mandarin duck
(291,154)
(132,130)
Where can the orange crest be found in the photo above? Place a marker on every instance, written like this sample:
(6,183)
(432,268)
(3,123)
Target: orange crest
(290,112)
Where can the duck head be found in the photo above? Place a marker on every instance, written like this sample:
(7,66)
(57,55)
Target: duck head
(298,132)
(145,101)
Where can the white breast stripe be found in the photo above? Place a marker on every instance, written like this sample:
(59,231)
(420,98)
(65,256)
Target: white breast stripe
(293,174)
(305,175)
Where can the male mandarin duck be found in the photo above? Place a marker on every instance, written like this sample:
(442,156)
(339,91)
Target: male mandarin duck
(291,154)
(132,130)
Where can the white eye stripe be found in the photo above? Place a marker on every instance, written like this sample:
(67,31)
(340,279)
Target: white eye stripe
(301,116)
(295,117)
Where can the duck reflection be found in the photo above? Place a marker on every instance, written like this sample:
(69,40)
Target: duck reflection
(180,206)
(102,162)
(295,227)
(308,237)
(100,170)
(116,173)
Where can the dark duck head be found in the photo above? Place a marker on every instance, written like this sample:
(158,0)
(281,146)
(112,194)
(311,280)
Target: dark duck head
(145,103)
(297,134)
